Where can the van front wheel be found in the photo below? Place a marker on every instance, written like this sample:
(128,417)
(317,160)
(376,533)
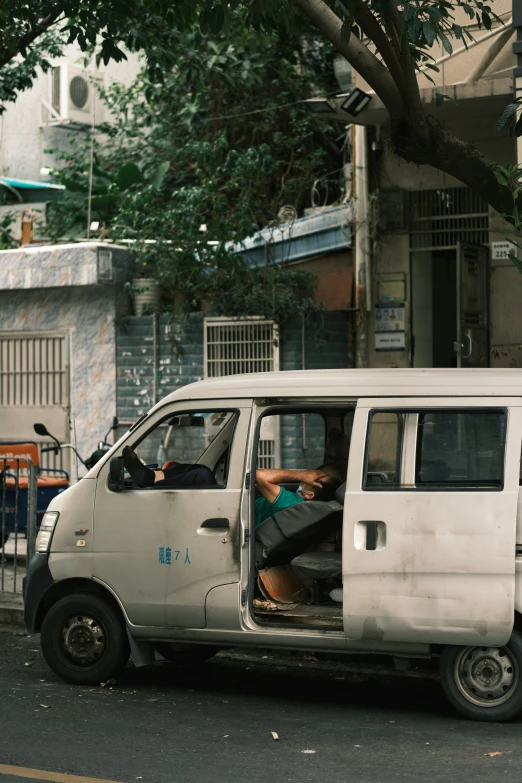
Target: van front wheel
(484,683)
(83,639)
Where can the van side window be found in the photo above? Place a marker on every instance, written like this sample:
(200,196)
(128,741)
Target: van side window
(460,448)
(384,449)
(292,440)
(453,449)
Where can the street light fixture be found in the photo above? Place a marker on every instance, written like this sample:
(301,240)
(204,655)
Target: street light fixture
(320,105)
(355,101)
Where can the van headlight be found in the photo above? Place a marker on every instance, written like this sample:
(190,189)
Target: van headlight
(45,534)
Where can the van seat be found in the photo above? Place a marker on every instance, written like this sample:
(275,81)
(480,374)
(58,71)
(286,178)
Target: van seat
(318,565)
(288,532)
(340,493)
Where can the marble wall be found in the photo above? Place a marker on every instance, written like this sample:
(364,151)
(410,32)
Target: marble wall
(57,291)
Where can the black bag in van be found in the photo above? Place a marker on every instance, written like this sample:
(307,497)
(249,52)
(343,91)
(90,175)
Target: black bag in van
(287,533)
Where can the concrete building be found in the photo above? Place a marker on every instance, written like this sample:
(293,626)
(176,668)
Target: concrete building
(441,291)
(59,310)
(60,103)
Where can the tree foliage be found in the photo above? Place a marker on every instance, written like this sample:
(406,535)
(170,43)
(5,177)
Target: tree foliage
(386,41)
(189,168)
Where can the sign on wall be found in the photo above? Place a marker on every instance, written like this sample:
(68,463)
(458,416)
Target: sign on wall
(105,271)
(390,327)
(392,291)
(390,341)
(500,250)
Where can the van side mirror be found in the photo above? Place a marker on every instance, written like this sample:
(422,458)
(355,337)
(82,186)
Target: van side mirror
(116,472)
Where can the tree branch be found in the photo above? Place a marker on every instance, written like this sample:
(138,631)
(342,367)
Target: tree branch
(411,93)
(358,55)
(25,40)
(455,157)
(370,26)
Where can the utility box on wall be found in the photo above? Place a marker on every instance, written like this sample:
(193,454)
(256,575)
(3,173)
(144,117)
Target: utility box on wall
(392,212)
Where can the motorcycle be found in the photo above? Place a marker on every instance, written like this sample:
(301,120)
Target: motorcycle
(97,454)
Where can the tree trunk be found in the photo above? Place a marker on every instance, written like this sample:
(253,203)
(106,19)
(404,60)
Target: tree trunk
(416,136)
(454,156)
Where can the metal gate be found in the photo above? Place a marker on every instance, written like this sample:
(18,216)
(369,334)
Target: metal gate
(443,217)
(234,346)
(18,520)
(34,386)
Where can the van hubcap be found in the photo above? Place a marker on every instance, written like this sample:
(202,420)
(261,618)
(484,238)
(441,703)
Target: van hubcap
(83,639)
(486,676)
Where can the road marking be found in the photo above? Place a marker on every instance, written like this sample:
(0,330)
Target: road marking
(45,775)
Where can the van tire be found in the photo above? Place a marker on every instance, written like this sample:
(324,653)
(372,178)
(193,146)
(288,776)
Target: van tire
(186,654)
(472,676)
(84,640)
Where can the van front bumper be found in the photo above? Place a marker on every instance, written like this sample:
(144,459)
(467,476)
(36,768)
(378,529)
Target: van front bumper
(35,585)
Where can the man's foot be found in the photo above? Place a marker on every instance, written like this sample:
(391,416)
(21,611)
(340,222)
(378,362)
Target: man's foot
(140,474)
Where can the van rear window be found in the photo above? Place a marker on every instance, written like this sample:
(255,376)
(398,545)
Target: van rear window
(460,448)
(453,449)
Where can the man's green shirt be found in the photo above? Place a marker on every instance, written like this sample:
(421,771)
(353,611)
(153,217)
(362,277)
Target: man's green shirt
(264,509)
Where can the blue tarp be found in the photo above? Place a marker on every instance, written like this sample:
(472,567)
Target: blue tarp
(324,232)
(28,184)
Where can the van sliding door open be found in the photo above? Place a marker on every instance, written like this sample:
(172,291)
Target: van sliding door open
(430,520)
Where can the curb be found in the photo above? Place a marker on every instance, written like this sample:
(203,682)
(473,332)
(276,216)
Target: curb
(11,615)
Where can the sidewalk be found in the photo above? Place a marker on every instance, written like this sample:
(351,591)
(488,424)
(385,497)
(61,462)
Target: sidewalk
(11,603)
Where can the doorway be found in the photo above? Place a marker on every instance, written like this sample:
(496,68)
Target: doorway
(449,238)
(434,308)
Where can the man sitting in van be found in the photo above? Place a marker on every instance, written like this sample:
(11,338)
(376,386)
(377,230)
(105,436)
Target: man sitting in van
(319,484)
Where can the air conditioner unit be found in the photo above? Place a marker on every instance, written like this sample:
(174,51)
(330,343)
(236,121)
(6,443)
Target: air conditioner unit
(74,97)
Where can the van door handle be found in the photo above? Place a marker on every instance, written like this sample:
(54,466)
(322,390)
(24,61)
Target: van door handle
(216,522)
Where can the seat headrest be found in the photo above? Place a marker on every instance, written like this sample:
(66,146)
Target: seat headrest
(341,491)
(338,446)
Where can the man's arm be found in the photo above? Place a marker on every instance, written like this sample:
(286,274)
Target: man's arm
(269,480)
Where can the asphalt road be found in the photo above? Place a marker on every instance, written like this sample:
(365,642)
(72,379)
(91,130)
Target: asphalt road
(166,724)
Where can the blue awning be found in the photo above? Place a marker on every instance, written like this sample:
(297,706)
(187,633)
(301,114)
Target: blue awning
(324,232)
(29,184)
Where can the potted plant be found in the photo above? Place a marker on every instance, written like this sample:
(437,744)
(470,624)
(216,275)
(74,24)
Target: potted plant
(144,287)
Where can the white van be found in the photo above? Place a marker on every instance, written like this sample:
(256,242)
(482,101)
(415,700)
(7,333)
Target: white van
(426,531)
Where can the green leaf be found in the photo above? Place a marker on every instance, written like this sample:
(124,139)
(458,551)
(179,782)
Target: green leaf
(440,98)
(408,12)
(128,175)
(346,31)
(517,130)
(500,178)
(507,115)
(486,20)
(457,31)
(99,202)
(446,43)
(430,32)
(158,176)
(73,185)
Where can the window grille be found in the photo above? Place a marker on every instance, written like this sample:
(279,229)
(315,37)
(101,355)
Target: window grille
(442,218)
(234,346)
(32,370)
(266,454)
